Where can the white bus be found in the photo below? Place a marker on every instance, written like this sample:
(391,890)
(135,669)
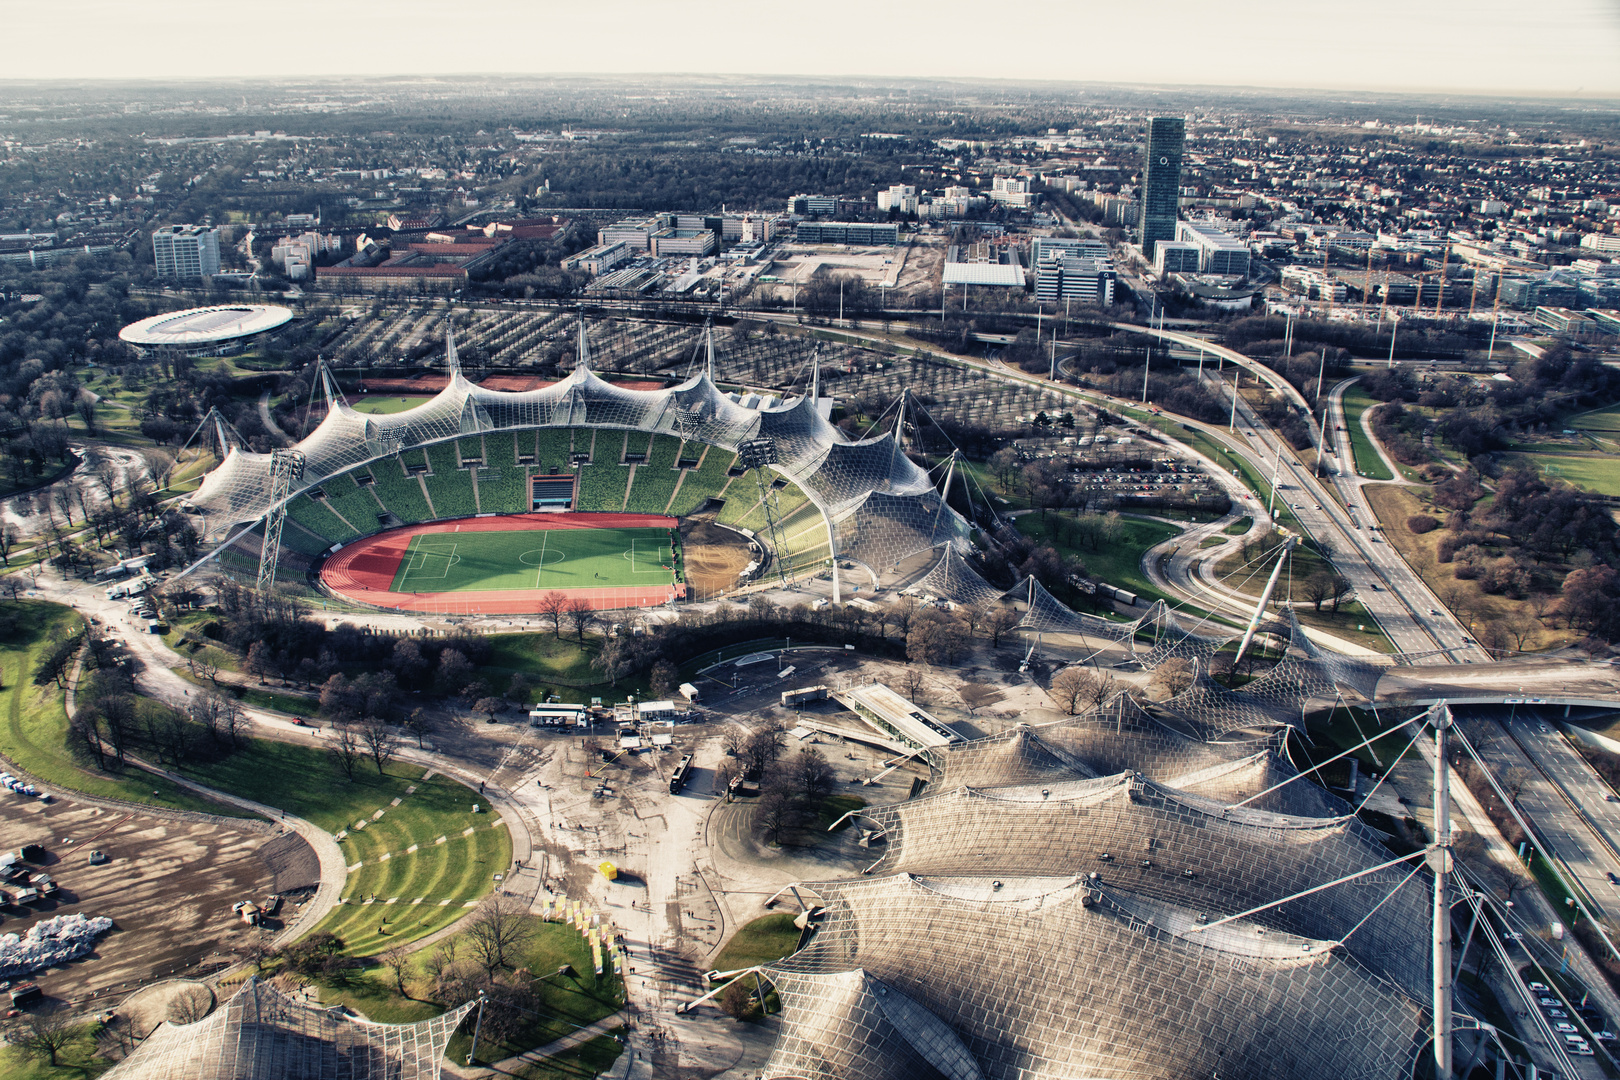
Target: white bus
(557,715)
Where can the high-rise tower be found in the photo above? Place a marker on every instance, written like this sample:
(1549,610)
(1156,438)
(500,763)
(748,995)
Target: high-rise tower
(1161,182)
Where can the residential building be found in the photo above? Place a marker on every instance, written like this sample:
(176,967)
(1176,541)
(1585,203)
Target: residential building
(1313,284)
(186,251)
(1600,242)
(1161,181)
(1013,191)
(901,197)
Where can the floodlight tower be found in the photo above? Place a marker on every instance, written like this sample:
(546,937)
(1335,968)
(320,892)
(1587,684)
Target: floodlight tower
(286,466)
(755,454)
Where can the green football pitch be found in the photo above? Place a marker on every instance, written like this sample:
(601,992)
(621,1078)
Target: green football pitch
(534,559)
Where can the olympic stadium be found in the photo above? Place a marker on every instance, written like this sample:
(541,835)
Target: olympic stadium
(206,331)
(348,502)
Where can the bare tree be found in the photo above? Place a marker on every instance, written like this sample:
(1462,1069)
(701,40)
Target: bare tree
(763,748)
(913,686)
(344,746)
(8,541)
(398,961)
(732,739)
(580,615)
(813,775)
(497,931)
(776,811)
(998,623)
(551,606)
(45,1033)
(1174,675)
(378,740)
(190,1005)
(1071,689)
(420,724)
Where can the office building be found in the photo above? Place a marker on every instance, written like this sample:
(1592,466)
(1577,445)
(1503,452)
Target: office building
(186,251)
(677,241)
(1218,253)
(636,233)
(600,259)
(1072,272)
(1161,182)
(847,232)
(1175,257)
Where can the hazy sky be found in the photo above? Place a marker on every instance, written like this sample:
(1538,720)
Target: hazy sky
(1565,47)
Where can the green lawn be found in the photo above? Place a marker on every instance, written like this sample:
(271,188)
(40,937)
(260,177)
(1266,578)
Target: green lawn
(77,1060)
(535,559)
(548,659)
(566,1003)
(34,732)
(385,403)
(1595,472)
(1239,527)
(413,870)
(1368,462)
(762,941)
(1118,563)
(1605,419)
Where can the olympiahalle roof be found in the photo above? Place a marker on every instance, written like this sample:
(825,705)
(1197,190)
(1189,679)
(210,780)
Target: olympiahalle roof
(197,327)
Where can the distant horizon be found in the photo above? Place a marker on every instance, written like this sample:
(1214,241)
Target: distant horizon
(1584,95)
(1383,46)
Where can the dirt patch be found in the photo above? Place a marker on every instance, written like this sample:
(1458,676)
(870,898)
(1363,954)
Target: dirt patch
(168,887)
(714,555)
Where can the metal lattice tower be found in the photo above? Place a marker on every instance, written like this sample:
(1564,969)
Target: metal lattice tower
(286,466)
(755,454)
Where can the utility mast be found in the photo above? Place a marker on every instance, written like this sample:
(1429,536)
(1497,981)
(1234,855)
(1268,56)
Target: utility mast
(1265,599)
(1440,863)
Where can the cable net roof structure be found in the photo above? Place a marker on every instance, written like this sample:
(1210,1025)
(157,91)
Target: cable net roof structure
(1082,899)
(1049,976)
(857,1027)
(1280,695)
(262,1034)
(840,477)
(951,578)
(1124,738)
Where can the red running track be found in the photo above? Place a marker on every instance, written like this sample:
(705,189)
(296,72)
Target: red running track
(364,570)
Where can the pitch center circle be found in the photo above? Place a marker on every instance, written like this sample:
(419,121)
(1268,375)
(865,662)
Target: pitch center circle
(540,557)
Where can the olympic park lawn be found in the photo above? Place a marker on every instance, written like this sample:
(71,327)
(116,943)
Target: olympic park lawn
(417,854)
(535,559)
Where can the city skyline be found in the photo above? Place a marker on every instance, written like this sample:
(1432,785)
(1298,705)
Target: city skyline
(1490,47)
